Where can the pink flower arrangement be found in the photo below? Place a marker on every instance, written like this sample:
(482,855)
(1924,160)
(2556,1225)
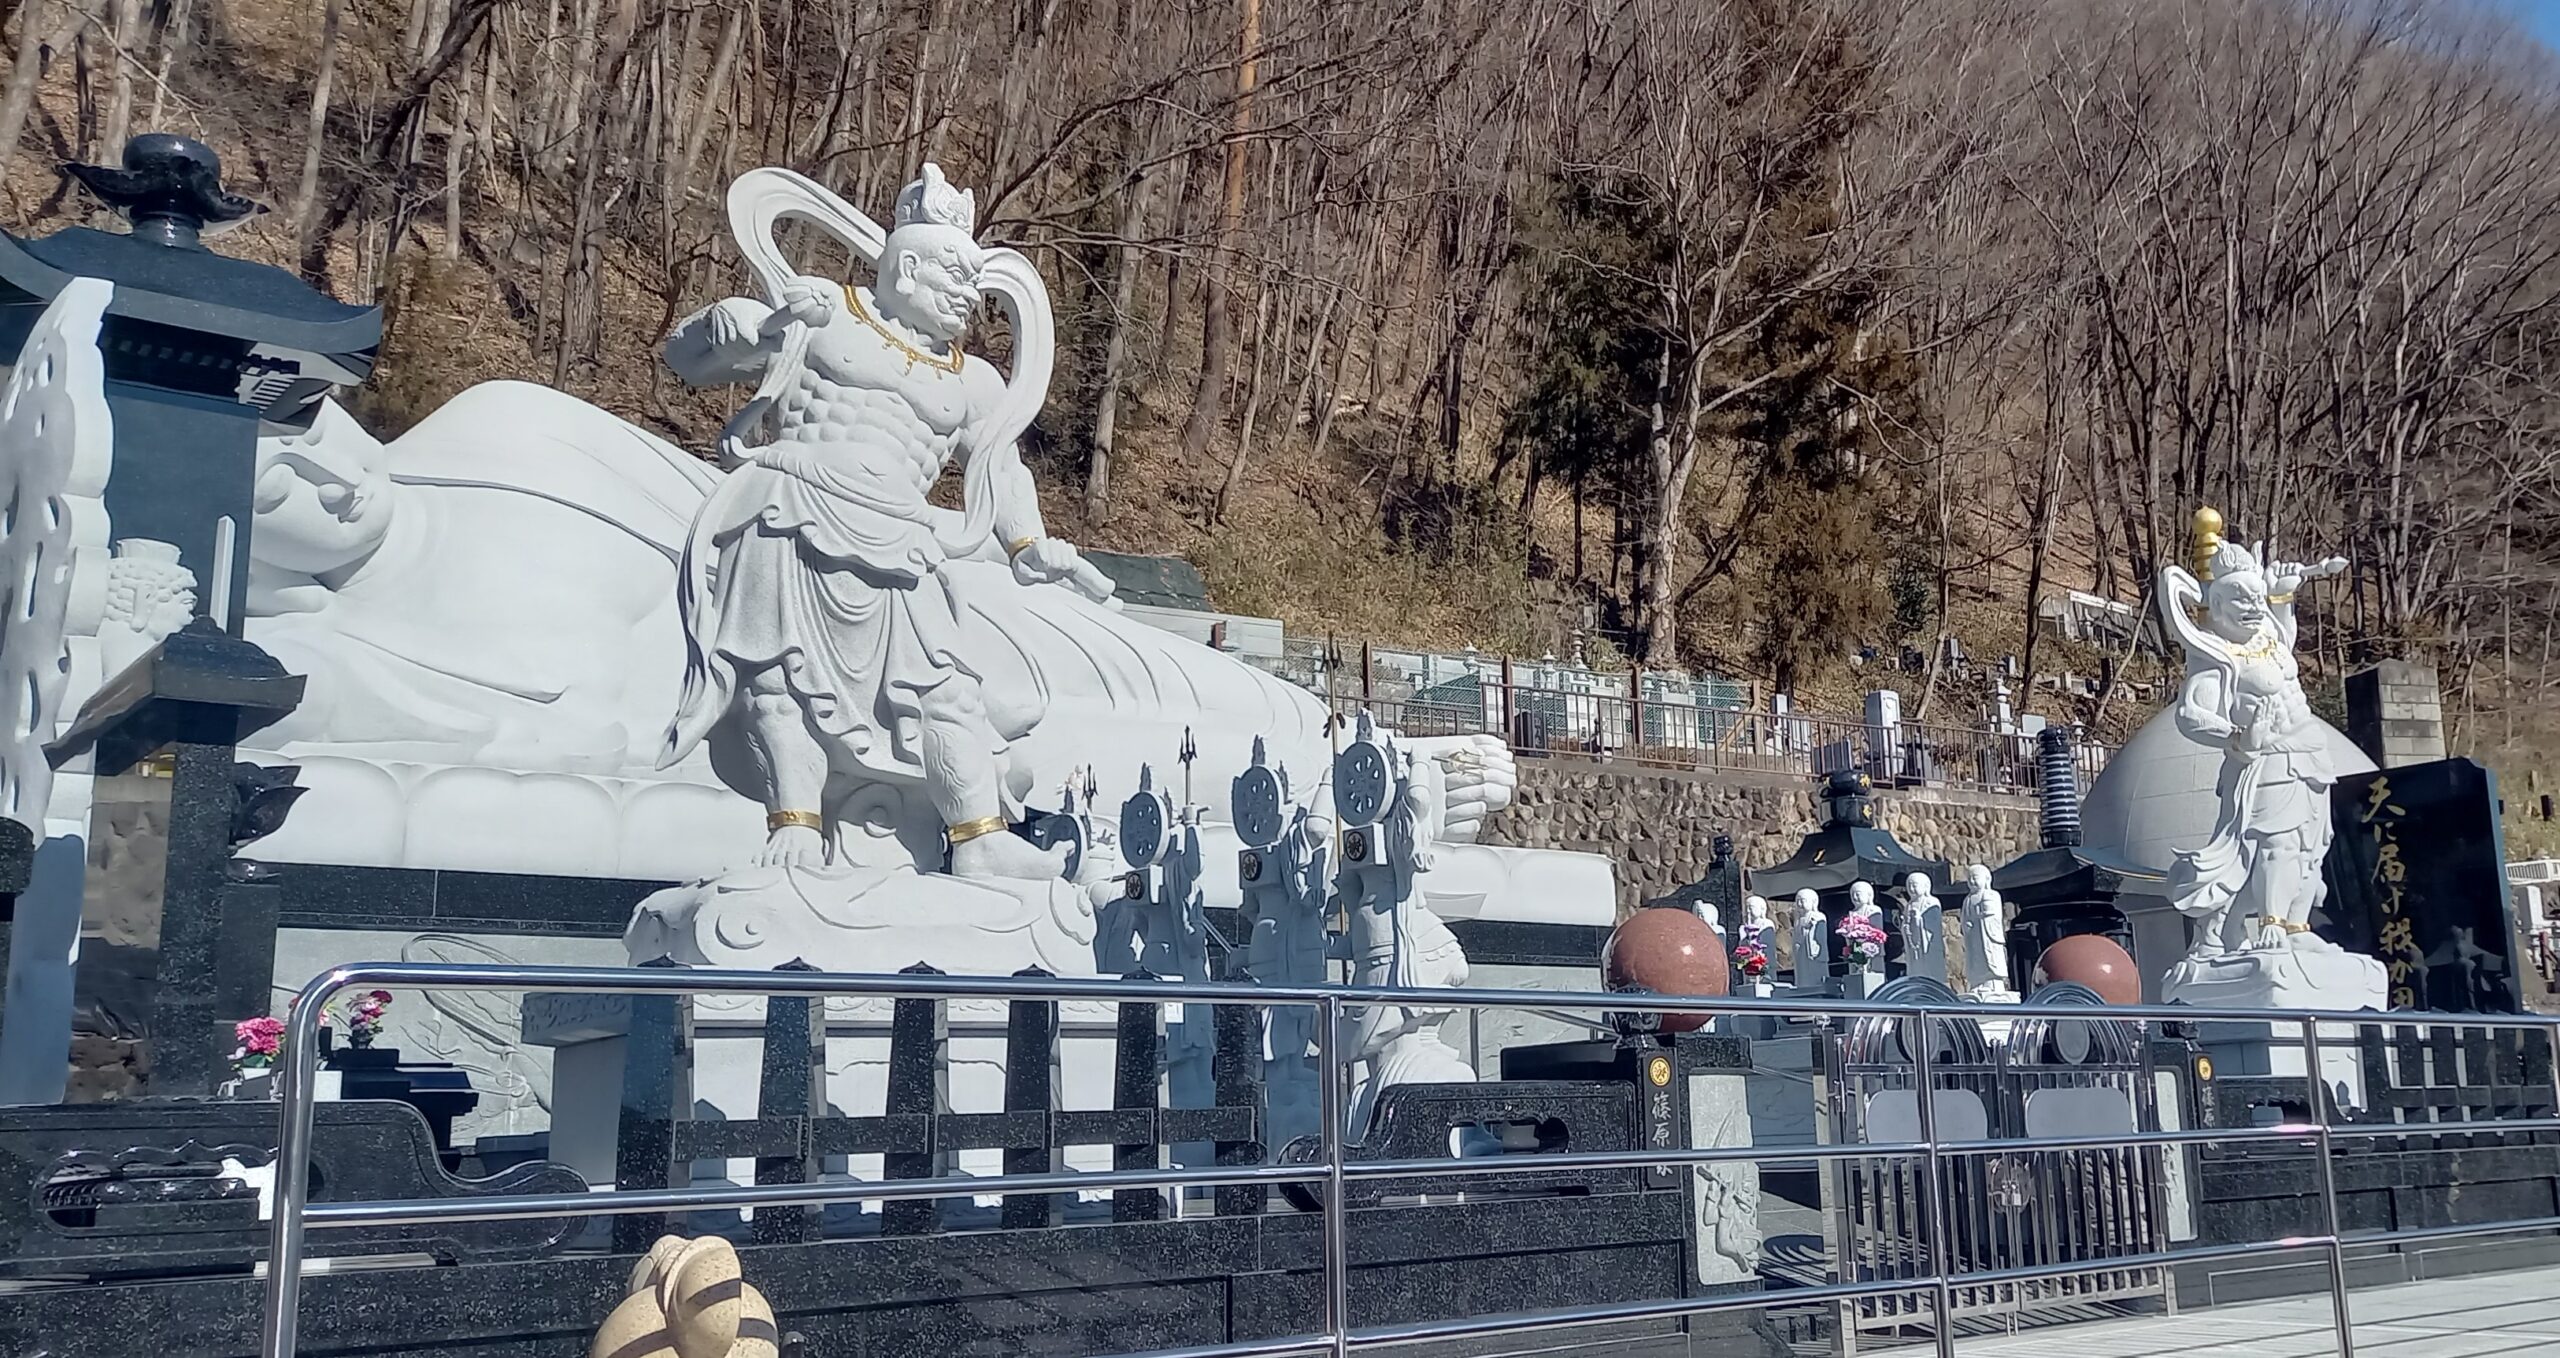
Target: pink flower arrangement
(261,1040)
(1751,960)
(364,1015)
(1861,939)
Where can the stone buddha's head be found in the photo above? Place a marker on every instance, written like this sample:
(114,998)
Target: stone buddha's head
(322,496)
(930,264)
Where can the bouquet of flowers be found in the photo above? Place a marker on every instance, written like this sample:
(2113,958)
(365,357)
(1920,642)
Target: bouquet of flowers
(1751,960)
(261,1041)
(364,1017)
(1861,939)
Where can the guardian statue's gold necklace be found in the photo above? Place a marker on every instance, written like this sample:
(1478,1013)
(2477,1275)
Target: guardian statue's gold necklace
(950,363)
(2263,646)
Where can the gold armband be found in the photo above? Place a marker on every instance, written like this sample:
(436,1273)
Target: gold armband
(806,820)
(974,829)
(1015,548)
(2284,598)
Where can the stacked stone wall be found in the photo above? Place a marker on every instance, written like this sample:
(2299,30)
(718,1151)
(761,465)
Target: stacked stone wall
(1659,825)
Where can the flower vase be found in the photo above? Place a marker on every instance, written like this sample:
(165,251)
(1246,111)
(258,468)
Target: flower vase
(254,1083)
(1758,989)
(1865,982)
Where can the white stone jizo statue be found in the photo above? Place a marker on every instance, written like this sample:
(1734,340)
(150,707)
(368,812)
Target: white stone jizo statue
(824,646)
(2254,885)
(1924,929)
(1862,905)
(1813,942)
(1986,939)
(1758,929)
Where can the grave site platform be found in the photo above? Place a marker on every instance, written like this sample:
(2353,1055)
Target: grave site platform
(2509,1314)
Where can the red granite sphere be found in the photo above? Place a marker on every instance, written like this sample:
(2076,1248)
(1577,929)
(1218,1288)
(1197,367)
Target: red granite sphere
(2095,961)
(1668,951)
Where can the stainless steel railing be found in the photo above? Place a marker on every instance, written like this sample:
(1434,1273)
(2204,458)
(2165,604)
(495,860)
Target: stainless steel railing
(295,1214)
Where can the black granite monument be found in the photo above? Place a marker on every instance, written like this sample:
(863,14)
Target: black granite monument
(2417,877)
(1720,891)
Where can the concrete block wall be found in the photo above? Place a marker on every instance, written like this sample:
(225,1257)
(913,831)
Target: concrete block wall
(2395,713)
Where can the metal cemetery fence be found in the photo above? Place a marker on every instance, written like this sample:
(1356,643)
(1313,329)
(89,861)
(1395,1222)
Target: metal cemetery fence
(1661,719)
(1676,732)
(1956,1248)
(2063,1209)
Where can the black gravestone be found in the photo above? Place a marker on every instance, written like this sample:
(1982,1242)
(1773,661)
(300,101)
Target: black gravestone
(1719,893)
(2417,877)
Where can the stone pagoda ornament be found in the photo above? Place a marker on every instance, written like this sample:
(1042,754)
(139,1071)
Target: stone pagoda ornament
(2064,888)
(2250,889)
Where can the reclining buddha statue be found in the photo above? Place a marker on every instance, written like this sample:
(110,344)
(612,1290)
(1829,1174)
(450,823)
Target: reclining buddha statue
(543,639)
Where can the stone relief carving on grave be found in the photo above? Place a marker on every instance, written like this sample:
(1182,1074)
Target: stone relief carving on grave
(481,1032)
(1727,1195)
(149,596)
(2251,888)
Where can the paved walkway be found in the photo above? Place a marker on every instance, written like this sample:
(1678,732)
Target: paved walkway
(2475,1317)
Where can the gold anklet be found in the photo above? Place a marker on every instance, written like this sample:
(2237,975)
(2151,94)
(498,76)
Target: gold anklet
(974,829)
(806,820)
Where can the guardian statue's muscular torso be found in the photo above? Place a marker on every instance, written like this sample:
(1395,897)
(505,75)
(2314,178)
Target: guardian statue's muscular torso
(825,649)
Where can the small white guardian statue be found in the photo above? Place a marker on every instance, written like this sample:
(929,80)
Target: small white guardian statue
(1986,940)
(1924,929)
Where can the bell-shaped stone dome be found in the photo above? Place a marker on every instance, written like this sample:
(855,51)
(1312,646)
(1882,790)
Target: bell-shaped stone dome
(2160,792)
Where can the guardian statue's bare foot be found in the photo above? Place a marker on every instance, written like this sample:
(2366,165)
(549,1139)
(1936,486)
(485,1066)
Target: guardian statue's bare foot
(793,846)
(1004,854)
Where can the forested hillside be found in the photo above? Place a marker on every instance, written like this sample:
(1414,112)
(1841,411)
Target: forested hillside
(1751,331)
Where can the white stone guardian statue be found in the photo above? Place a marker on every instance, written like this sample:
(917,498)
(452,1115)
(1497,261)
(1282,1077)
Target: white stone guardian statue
(2255,883)
(1986,940)
(824,644)
(2252,886)
(1924,929)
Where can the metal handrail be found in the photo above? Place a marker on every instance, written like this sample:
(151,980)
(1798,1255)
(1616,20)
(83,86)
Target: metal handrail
(294,1214)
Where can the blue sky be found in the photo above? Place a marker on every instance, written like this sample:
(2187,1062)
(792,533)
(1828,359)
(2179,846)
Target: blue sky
(2542,16)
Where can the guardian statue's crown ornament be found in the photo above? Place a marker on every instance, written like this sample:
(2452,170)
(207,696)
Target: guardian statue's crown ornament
(931,201)
(2215,558)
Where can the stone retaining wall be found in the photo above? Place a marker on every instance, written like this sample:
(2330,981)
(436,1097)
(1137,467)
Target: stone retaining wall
(1660,824)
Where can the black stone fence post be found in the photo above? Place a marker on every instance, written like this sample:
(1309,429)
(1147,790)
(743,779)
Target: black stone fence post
(1031,1086)
(1138,1068)
(919,1095)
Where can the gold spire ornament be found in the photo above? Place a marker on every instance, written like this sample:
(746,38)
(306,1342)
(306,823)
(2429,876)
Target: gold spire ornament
(2206,540)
